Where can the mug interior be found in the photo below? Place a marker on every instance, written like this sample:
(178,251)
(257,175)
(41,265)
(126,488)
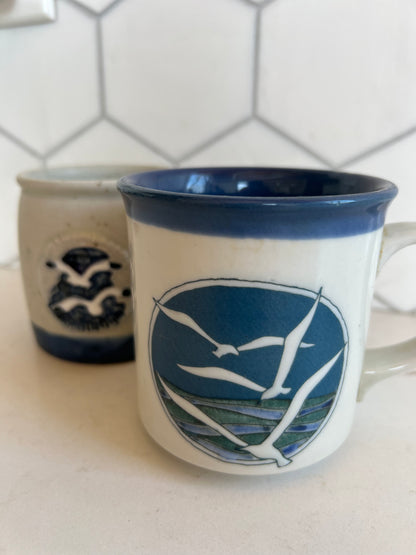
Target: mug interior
(254,182)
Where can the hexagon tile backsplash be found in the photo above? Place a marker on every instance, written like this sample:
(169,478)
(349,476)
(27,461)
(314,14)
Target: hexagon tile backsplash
(299,83)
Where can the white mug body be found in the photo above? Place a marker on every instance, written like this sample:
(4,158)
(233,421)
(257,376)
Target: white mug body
(252,314)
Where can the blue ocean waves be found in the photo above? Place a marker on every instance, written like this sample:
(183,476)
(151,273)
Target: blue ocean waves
(242,429)
(258,412)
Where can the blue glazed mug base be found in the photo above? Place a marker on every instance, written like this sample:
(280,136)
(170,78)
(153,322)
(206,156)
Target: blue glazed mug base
(93,351)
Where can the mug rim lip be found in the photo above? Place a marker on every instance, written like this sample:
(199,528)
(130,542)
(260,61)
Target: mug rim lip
(129,186)
(103,177)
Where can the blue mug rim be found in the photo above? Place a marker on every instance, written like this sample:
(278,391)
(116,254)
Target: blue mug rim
(143,184)
(357,205)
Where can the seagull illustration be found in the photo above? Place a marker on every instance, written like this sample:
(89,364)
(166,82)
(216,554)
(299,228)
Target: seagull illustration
(266,449)
(76,279)
(268,341)
(194,411)
(185,320)
(291,344)
(94,306)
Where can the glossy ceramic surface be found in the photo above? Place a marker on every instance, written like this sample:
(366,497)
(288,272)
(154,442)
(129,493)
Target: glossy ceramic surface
(258,202)
(254,287)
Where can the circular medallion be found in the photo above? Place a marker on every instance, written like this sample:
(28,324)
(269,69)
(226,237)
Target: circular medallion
(90,282)
(248,372)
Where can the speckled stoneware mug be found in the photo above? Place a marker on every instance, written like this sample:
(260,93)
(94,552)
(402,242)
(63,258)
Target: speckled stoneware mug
(254,287)
(75,265)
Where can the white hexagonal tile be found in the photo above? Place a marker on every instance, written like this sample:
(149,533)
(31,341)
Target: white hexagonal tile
(253,144)
(96,5)
(179,72)
(339,76)
(13,160)
(105,144)
(49,78)
(397,163)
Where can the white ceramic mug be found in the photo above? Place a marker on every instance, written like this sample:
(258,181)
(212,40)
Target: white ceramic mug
(75,264)
(253,288)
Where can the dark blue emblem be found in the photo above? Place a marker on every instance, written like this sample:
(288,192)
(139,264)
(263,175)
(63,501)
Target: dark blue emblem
(85,296)
(248,372)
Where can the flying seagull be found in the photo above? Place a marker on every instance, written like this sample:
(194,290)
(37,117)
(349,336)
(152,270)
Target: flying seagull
(291,344)
(76,279)
(202,417)
(185,320)
(268,341)
(93,306)
(265,451)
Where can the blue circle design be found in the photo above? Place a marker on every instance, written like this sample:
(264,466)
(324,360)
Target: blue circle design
(243,328)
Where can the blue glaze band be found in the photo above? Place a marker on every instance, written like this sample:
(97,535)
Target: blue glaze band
(94,351)
(258,202)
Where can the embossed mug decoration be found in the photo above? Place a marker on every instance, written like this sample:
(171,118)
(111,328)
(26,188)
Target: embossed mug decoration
(75,264)
(254,288)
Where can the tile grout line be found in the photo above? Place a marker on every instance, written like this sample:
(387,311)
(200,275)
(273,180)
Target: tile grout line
(43,157)
(88,11)
(256,86)
(138,138)
(260,6)
(215,138)
(378,148)
(249,3)
(21,144)
(294,142)
(65,142)
(102,91)
(256,62)
(110,7)
(91,11)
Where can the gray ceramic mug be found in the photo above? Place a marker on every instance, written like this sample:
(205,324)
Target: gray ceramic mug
(75,265)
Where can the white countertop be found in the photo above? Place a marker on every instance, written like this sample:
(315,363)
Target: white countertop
(79,475)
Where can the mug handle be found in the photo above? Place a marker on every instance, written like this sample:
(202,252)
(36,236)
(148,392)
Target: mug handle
(383,362)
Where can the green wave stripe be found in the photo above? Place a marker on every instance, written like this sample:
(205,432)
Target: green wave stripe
(224,417)
(228,416)
(253,439)
(274,404)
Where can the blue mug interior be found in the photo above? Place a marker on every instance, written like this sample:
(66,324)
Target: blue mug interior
(258,202)
(254,182)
